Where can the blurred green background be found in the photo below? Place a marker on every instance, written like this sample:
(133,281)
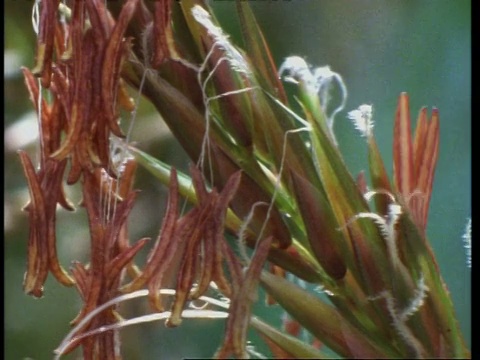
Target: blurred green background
(381,48)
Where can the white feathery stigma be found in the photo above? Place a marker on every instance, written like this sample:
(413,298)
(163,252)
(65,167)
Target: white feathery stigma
(362,119)
(233,56)
(318,81)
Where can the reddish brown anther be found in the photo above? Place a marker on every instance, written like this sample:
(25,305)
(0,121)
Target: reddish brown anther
(204,222)
(45,191)
(163,251)
(193,246)
(235,341)
(45,43)
(73,57)
(162,30)
(115,52)
(99,282)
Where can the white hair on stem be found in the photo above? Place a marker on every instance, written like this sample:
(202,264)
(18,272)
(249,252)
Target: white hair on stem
(237,63)
(369,194)
(278,179)
(417,301)
(242,231)
(306,127)
(195,313)
(386,225)
(189,313)
(400,316)
(236,59)
(301,120)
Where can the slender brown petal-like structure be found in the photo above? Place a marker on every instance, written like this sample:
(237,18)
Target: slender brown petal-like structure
(46,190)
(193,245)
(163,32)
(114,55)
(45,42)
(163,251)
(99,282)
(37,266)
(202,232)
(242,300)
(80,61)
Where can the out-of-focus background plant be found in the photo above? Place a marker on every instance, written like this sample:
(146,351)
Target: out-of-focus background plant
(380,49)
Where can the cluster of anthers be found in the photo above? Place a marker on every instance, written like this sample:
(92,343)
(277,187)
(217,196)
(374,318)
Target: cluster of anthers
(80,53)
